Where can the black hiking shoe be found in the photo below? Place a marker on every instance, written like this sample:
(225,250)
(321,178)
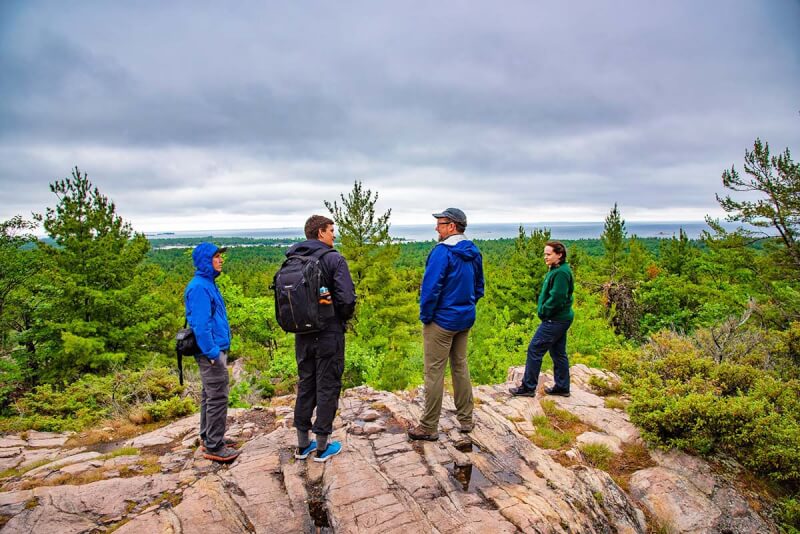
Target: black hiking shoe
(522,391)
(228,442)
(225,454)
(559,392)
(419,433)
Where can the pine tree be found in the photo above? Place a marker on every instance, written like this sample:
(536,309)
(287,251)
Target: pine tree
(385,318)
(777,181)
(636,263)
(361,234)
(613,239)
(676,255)
(18,264)
(517,287)
(102,309)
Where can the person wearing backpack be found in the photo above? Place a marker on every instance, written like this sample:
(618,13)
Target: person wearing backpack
(206,315)
(451,287)
(320,352)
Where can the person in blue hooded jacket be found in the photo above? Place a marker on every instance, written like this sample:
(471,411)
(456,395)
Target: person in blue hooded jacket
(206,314)
(451,287)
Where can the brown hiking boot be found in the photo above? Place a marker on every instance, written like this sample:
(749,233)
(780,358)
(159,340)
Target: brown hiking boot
(466,428)
(225,454)
(419,433)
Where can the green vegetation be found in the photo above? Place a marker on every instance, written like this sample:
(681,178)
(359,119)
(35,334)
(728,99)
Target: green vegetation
(704,333)
(597,455)
(557,428)
(604,387)
(122,451)
(548,437)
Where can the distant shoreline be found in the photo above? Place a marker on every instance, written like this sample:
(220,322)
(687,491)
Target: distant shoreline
(426,232)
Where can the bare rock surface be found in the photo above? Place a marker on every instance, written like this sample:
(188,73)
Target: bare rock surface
(494,479)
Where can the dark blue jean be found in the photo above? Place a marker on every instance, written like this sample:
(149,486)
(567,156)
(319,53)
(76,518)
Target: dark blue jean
(552,336)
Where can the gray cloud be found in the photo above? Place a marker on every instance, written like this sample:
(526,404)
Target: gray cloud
(185,112)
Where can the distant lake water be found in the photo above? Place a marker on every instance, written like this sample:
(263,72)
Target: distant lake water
(426,232)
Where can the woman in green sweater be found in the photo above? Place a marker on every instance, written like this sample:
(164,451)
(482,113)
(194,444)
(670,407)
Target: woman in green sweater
(555,311)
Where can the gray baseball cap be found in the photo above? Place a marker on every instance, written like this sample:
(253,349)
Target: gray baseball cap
(454,214)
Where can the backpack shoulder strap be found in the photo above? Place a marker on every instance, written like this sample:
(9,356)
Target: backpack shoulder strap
(318,255)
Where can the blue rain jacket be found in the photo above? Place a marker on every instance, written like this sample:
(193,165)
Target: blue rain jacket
(452,284)
(205,309)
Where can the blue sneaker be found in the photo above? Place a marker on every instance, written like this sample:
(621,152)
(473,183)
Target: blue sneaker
(334,448)
(302,454)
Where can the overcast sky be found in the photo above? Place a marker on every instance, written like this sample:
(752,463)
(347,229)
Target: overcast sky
(199,115)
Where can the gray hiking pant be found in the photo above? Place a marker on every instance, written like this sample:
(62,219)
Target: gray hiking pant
(441,345)
(213,400)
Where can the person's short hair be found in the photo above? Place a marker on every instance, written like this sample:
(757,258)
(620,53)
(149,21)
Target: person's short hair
(314,224)
(559,248)
(460,227)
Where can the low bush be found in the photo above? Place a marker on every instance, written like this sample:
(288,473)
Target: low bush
(789,515)
(265,387)
(239,395)
(692,403)
(604,387)
(171,408)
(93,398)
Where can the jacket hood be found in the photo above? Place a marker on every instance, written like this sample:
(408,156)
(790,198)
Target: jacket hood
(306,247)
(202,256)
(462,247)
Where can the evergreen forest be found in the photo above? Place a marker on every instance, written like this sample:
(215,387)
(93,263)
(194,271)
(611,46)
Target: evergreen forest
(705,333)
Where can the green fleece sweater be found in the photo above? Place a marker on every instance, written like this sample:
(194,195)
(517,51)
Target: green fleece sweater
(555,299)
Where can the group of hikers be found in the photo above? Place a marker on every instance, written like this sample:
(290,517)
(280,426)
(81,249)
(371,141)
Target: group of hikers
(451,287)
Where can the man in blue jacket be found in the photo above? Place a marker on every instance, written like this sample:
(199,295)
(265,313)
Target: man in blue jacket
(451,286)
(206,314)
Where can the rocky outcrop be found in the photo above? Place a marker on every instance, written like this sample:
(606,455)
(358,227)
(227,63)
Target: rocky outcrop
(493,480)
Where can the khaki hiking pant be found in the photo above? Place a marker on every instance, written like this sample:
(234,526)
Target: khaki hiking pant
(441,345)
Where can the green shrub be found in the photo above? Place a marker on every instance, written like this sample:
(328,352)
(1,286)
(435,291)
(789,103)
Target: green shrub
(626,362)
(91,398)
(604,387)
(238,393)
(265,387)
(164,410)
(11,381)
(788,512)
(759,426)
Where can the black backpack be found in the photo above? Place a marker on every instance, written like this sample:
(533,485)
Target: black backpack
(299,306)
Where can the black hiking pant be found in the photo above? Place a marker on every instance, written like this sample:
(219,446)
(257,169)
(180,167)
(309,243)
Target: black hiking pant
(320,364)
